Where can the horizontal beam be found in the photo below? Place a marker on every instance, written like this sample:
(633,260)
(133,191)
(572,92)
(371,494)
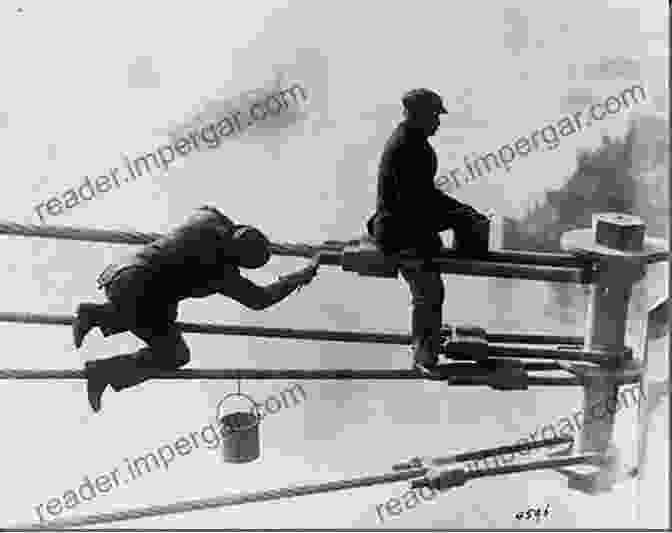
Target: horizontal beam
(501,450)
(332,250)
(280,373)
(542,464)
(550,353)
(494,269)
(300,334)
(483,453)
(455,477)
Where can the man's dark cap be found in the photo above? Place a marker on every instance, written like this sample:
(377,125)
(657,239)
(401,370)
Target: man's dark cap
(423,100)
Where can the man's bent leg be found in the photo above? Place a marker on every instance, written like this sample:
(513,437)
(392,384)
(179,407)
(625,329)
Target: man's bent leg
(85,321)
(131,299)
(167,350)
(105,316)
(428,295)
(472,231)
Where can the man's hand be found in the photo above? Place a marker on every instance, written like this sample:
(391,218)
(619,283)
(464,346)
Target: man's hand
(314,264)
(468,211)
(258,298)
(306,274)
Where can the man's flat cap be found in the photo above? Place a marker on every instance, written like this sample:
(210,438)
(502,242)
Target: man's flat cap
(423,100)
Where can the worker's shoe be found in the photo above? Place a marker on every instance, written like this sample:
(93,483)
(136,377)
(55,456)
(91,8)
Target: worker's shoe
(424,358)
(83,323)
(96,383)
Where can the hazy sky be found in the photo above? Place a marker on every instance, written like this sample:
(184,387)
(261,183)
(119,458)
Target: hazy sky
(85,82)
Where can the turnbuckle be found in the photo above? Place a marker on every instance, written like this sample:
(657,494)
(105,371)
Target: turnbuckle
(497,374)
(442,479)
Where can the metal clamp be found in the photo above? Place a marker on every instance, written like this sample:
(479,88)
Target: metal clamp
(442,480)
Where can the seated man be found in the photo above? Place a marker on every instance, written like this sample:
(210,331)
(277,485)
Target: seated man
(411,212)
(199,258)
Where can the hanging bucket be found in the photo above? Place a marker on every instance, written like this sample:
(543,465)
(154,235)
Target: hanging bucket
(240,432)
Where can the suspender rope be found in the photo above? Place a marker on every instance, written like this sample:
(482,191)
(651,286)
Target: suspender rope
(303,334)
(227,501)
(504,349)
(444,479)
(553,259)
(558,267)
(290,374)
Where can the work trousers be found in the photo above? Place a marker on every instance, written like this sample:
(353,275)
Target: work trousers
(394,233)
(427,296)
(136,304)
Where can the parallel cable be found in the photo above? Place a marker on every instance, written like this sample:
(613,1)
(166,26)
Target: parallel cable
(504,265)
(225,329)
(301,334)
(226,501)
(286,374)
(415,475)
(550,259)
(508,264)
(494,349)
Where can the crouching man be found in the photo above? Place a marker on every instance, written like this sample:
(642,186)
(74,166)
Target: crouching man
(411,212)
(201,257)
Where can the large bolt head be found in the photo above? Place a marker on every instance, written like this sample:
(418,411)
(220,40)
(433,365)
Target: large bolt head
(619,231)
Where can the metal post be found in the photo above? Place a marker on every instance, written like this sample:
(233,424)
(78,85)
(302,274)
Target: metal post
(616,241)
(606,326)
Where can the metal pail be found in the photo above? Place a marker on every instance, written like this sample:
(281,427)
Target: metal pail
(240,432)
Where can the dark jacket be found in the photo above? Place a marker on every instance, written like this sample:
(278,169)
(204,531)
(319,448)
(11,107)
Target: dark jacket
(410,210)
(191,261)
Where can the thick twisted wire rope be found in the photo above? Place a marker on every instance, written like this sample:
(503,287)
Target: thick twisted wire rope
(290,374)
(506,348)
(257,331)
(136,237)
(549,267)
(554,259)
(303,334)
(227,501)
(297,490)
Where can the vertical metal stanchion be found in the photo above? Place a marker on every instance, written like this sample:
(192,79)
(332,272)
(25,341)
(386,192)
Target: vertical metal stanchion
(618,243)
(606,326)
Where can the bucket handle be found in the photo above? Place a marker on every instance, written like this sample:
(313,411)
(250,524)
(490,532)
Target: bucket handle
(257,418)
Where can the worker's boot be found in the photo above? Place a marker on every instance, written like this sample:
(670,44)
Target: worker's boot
(84,322)
(426,334)
(96,383)
(425,355)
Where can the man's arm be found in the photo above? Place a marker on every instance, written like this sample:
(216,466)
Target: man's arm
(258,298)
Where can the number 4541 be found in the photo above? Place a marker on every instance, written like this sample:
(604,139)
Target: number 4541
(533,513)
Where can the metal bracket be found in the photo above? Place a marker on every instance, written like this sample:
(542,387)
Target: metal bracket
(499,375)
(454,477)
(630,371)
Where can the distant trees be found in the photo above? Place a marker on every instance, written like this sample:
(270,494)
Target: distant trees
(628,176)
(603,181)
